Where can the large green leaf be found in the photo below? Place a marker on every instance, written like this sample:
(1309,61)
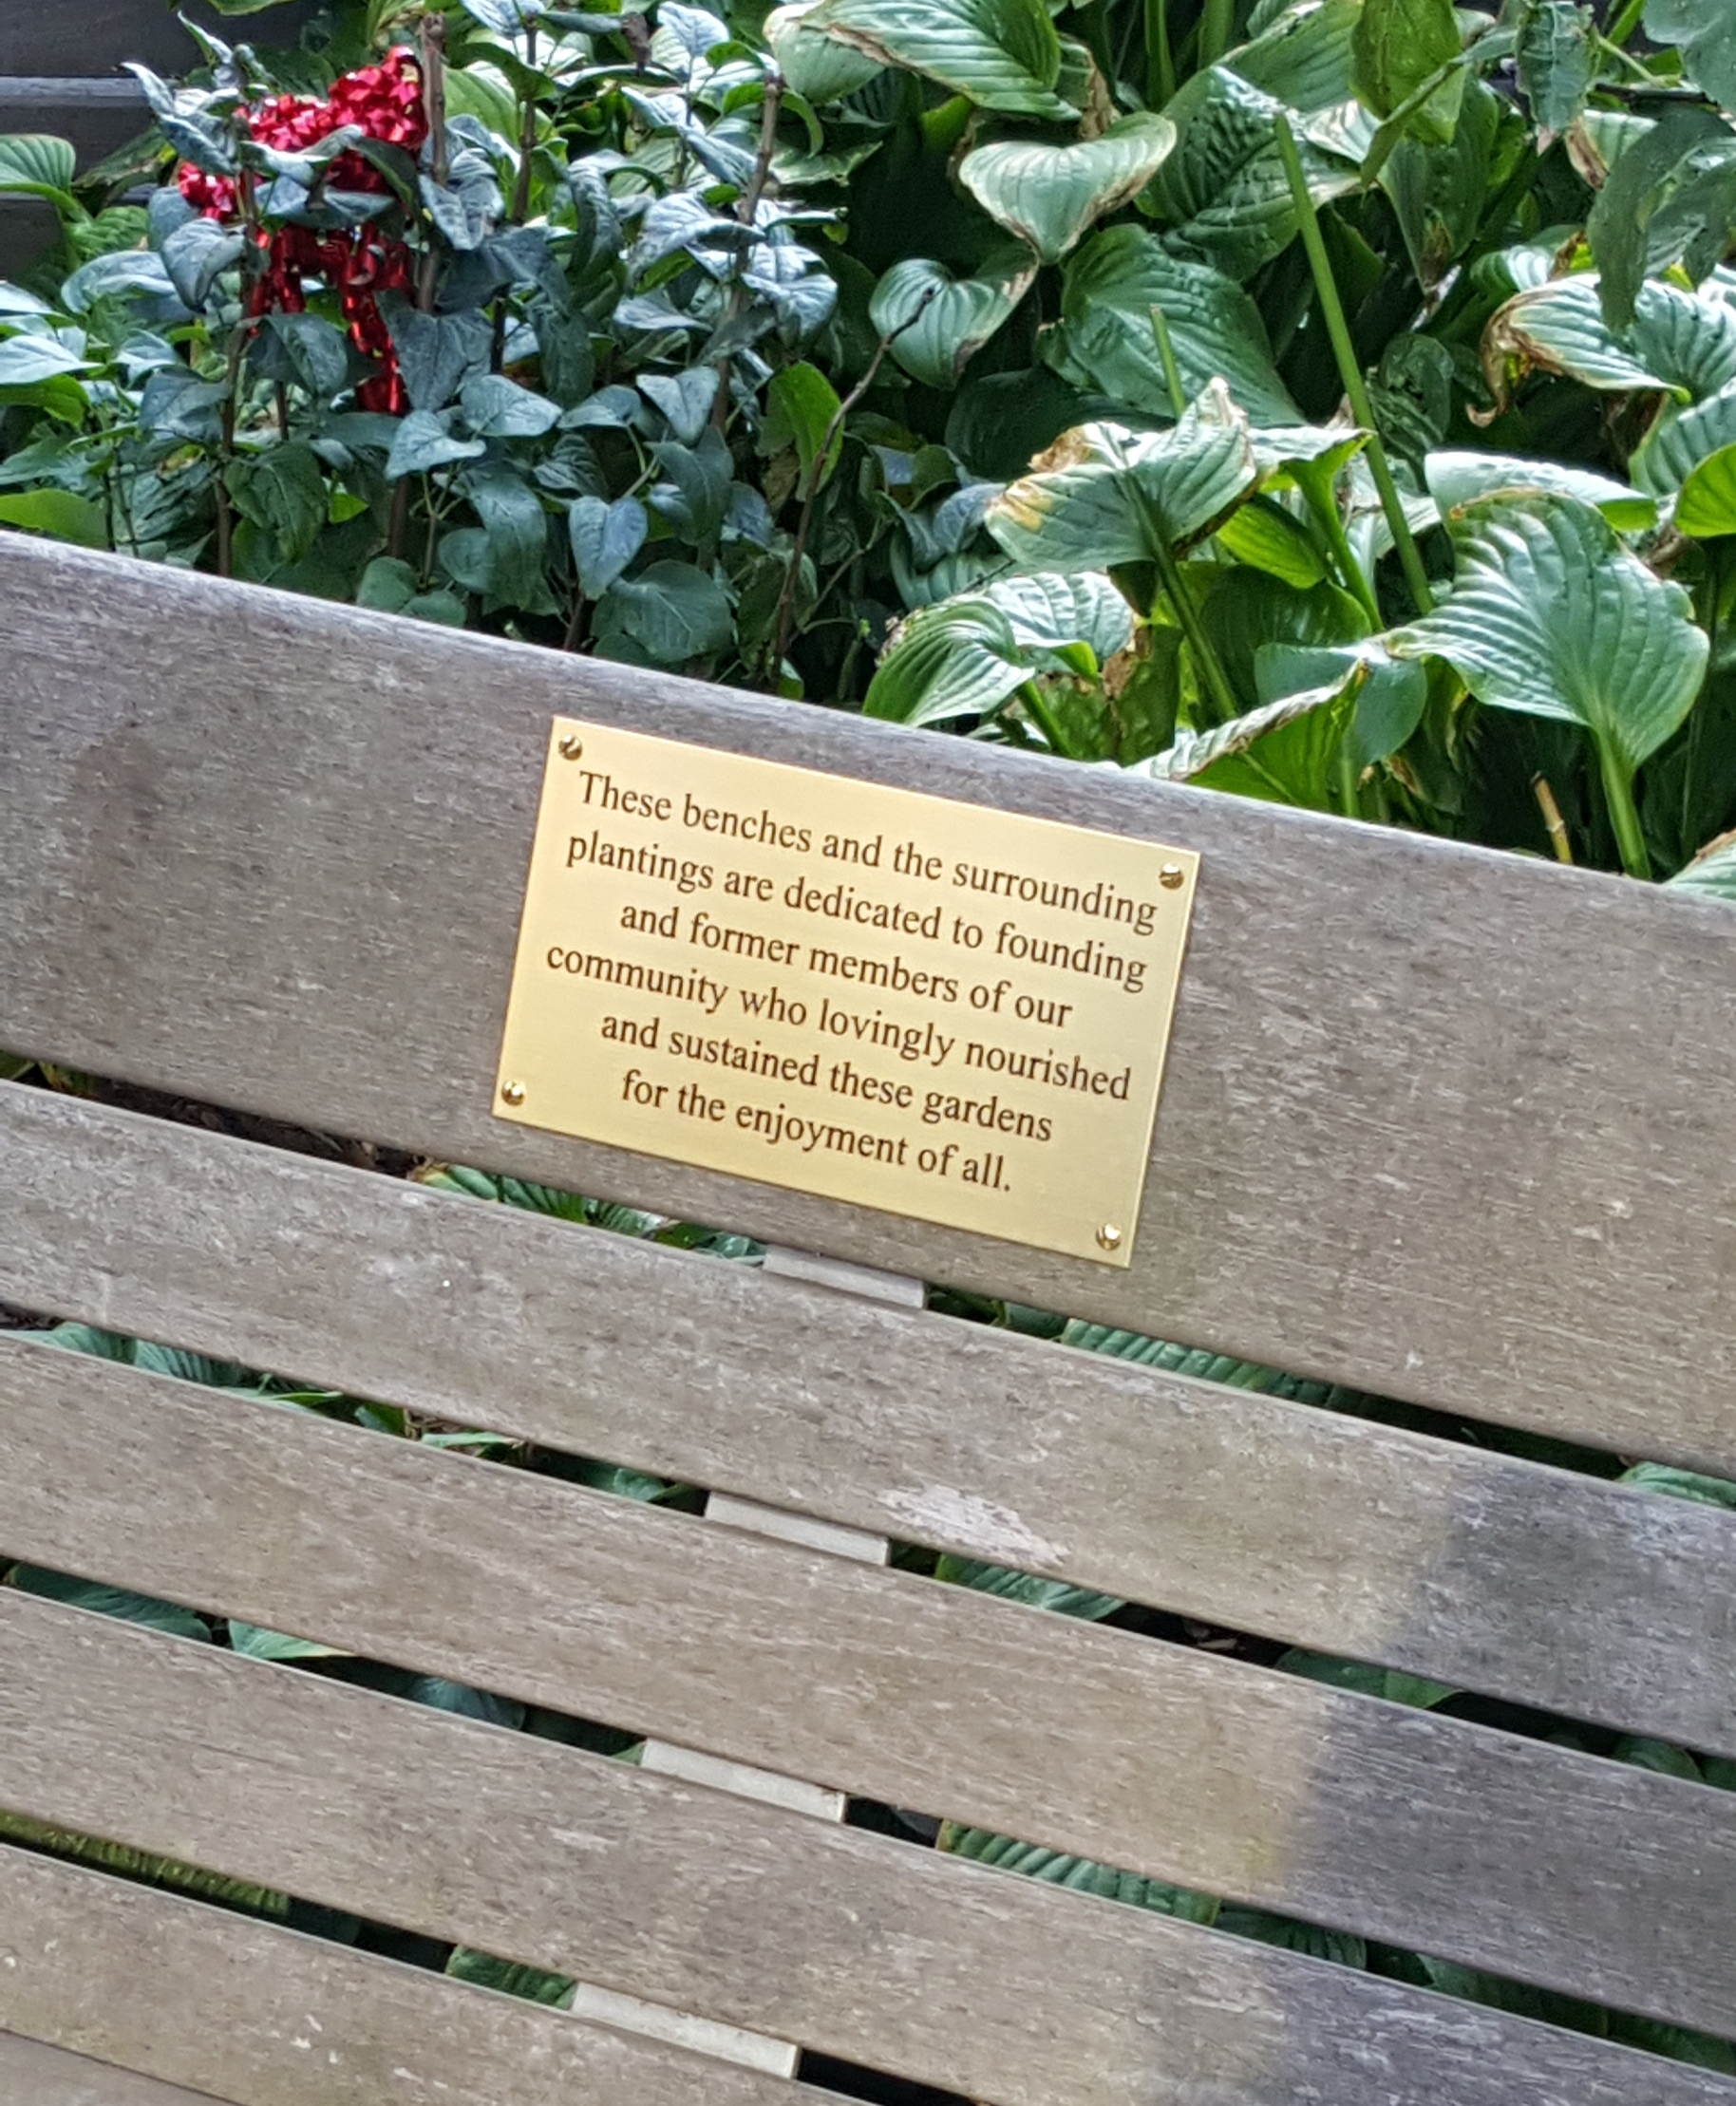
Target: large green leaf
(1682,341)
(58,513)
(33,164)
(1557,60)
(1304,56)
(1105,340)
(511,1978)
(674,611)
(1398,46)
(1284,752)
(1102,495)
(1050,195)
(1056,1869)
(108,1601)
(815,65)
(1705,32)
(1549,614)
(1004,54)
(1248,609)
(1367,1681)
(942,321)
(1680,437)
(1459,479)
(1713,874)
(1707,507)
(1223,194)
(1390,694)
(1056,1595)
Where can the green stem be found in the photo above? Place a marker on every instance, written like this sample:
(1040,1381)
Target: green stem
(1355,579)
(1166,352)
(1347,791)
(1709,621)
(1624,816)
(1626,22)
(1216,28)
(1349,371)
(1206,660)
(1160,59)
(1043,719)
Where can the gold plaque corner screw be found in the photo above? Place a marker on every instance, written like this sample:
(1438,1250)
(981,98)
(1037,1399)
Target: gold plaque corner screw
(573,748)
(1170,877)
(513,1093)
(1109,1237)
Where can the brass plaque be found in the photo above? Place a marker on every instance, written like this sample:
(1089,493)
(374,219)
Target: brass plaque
(928,1007)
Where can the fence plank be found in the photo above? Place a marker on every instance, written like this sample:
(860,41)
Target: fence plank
(264,2017)
(1504,1853)
(97,36)
(1444,1124)
(32,2075)
(915,1962)
(1473,1568)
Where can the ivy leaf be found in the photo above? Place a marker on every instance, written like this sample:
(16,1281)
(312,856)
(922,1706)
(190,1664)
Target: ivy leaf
(424,440)
(1396,47)
(1551,615)
(1003,54)
(1705,33)
(1557,60)
(685,399)
(1107,342)
(801,405)
(435,352)
(495,407)
(942,321)
(1050,195)
(672,611)
(1102,495)
(605,539)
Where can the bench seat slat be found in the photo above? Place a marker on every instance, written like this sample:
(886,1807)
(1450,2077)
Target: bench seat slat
(248,2013)
(32,2075)
(1445,1124)
(1010,1991)
(1476,1844)
(1476,1570)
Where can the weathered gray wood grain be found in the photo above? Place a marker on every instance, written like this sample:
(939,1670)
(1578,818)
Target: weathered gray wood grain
(912,1961)
(32,2075)
(1513,1854)
(99,36)
(1478,1571)
(1442,1122)
(246,2012)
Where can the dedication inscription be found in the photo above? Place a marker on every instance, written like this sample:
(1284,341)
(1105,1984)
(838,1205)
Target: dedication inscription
(924,1006)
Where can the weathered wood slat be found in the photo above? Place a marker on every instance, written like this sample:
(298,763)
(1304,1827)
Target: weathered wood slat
(1471,1568)
(97,36)
(246,2012)
(32,2075)
(921,1965)
(97,116)
(1505,1852)
(1444,1124)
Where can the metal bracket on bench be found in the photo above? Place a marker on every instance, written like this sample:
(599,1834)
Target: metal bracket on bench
(729,2043)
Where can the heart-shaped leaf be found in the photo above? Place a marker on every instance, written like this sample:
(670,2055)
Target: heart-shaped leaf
(1713,874)
(815,65)
(685,399)
(605,540)
(33,164)
(1682,341)
(938,322)
(1680,437)
(1050,195)
(803,408)
(1550,614)
(1398,46)
(1102,495)
(1004,54)
(1705,32)
(425,441)
(1107,342)
(1284,752)
(671,611)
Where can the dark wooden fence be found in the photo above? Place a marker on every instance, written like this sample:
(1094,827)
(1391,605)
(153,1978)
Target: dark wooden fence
(60,72)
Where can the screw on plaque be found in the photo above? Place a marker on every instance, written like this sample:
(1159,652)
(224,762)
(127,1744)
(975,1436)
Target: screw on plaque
(571,747)
(512,1093)
(1171,875)
(1109,1237)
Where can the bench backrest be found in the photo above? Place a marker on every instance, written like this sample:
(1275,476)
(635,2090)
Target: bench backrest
(1438,1124)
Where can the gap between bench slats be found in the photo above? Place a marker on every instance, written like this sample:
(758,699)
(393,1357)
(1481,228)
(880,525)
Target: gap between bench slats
(1581,1875)
(1476,1570)
(258,2016)
(912,1962)
(1447,1124)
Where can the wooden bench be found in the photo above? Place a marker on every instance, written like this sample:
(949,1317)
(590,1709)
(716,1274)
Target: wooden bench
(1450,1127)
